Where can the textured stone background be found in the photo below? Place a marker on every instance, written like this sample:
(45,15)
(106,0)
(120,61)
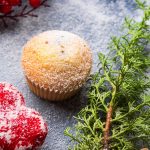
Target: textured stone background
(94,20)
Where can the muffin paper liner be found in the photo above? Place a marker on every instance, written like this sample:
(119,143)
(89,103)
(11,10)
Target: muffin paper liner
(49,94)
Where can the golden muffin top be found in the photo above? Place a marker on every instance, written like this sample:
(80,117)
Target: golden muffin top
(58,60)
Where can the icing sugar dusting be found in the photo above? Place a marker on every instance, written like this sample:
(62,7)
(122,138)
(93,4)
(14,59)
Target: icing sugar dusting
(64,15)
(21,128)
(20,147)
(7,95)
(6,135)
(59,73)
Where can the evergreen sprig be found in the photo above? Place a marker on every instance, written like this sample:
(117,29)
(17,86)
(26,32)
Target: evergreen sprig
(117,116)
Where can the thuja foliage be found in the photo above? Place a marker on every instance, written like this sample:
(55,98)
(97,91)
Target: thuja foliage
(117,116)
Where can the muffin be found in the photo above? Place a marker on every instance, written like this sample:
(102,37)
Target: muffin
(56,64)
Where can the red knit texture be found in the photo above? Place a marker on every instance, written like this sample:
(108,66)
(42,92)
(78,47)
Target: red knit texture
(20,127)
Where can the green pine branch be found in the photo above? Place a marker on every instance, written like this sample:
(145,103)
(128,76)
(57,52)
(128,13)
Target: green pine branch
(117,116)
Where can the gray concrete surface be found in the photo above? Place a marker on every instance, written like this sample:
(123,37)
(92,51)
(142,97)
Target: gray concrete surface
(94,20)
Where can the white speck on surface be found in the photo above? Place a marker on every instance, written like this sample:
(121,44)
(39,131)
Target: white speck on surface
(94,20)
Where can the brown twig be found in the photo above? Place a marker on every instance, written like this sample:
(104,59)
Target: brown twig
(23,13)
(107,128)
